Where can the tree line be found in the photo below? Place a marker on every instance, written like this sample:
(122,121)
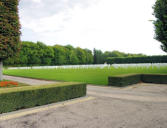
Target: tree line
(40,54)
(131,60)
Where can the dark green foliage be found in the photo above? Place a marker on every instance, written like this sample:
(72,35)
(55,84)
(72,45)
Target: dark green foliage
(81,55)
(160,12)
(112,54)
(73,59)
(98,56)
(101,58)
(29,96)
(124,80)
(128,60)
(60,55)
(153,78)
(9,28)
(41,54)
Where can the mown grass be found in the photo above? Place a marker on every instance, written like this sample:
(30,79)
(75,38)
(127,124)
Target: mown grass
(96,76)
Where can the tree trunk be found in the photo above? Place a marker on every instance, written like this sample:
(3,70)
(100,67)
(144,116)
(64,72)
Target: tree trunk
(1,74)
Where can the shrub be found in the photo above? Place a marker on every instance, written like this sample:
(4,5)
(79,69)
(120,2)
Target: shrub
(124,80)
(153,78)
(29,96)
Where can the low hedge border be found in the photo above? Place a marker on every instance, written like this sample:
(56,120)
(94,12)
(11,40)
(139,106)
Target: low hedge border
(154,78)
(125,80)
(12,99)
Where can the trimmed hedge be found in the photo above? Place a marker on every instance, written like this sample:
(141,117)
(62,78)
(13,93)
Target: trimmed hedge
(129,60)
(125,80)
(154,78)
(12,99)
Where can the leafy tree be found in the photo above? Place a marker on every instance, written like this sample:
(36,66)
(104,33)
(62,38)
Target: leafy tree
(81,55)
(160,12)
(59,55)
(73,57)
(40,54)
(46,53)
(89,56)
(69,47)
(113,54)
(98,57)
(9,30)
(31,53)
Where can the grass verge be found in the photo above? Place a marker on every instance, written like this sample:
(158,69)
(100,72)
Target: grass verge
(97,76)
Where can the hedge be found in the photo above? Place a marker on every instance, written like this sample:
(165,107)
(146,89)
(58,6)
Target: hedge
(125,80)
(154,78)
(12,99)
(145,59)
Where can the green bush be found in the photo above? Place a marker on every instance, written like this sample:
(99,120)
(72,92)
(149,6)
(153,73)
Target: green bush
(145,59)
(25,97)
(125,80)
(153,78)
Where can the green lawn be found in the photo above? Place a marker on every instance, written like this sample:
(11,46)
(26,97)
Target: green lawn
(90,75)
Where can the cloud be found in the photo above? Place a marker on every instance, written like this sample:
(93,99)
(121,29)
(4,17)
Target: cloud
(37,1)
(43,8)
(103,24)
(54,21)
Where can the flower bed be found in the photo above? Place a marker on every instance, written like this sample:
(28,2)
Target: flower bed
(8,83)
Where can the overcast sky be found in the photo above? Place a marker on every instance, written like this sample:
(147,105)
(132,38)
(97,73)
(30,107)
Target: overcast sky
(102,24)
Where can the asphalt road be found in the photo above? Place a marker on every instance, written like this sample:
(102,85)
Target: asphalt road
(138,106)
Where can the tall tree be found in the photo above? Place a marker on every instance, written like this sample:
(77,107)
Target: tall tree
(9,30)
(98,56)
(81,55)
(160,12)
(46,53)
(59,55)
(73,58)
(89,56)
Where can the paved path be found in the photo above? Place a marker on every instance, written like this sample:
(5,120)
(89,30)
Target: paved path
(137,106)
(28,80)
(139,92)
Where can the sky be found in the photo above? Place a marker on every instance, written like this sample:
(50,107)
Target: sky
(108,25)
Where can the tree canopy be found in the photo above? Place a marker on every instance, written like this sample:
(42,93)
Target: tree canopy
(9,28)
(40,54)
(160,12)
